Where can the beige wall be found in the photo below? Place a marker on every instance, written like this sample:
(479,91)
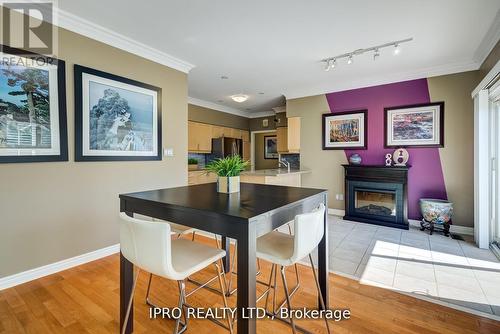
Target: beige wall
(214,117)
(256,123)
(327,172)
(457,155)
(489,62)
(54,211)
(260,162)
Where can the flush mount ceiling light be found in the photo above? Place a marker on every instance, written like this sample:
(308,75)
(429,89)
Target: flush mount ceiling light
(331,62)
(239,98)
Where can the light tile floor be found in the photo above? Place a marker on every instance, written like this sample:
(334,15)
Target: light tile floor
(437,267)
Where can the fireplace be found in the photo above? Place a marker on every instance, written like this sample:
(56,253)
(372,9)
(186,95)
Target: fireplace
(376,195)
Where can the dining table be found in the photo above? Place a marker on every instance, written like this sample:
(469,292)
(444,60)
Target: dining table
(243,216)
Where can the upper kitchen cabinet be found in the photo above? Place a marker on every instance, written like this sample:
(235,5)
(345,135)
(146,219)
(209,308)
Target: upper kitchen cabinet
(288,137)
(199,137)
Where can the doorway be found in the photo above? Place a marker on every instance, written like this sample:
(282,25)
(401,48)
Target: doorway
(258,157)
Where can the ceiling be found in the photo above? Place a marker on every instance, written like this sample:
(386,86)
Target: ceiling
(271,49)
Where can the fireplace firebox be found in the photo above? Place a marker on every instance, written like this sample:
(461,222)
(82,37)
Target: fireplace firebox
(377,195)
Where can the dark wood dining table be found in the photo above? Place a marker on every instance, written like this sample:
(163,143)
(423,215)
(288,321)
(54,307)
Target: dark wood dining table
(244,216)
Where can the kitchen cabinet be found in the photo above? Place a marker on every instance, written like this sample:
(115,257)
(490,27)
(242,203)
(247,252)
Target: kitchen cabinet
(293,134)
(246,150)
(201,176)
(282,139)
(288,137)
(199,137)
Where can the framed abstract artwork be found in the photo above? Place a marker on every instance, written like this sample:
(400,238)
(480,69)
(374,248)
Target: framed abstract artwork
(33,126)
(420,125)
(270,147)
(345,130)
(116,119)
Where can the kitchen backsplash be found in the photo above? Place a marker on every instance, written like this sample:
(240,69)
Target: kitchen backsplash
(202,159)
(293,159)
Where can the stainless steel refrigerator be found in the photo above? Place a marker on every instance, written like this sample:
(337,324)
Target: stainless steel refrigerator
(225,147)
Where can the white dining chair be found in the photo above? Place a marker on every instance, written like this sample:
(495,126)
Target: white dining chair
(149,247)
(179,230)
(283,250)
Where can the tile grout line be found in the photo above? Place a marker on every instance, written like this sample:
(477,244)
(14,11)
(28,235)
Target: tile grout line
(478,281)
(397,260)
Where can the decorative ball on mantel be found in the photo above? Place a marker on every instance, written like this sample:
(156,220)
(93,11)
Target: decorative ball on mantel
(355,159)
(400,157)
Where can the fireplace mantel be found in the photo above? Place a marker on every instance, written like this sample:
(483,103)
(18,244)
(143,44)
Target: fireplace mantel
(377,194)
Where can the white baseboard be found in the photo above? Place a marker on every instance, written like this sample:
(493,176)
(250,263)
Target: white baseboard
(336,212)
(453,228)
(32,274)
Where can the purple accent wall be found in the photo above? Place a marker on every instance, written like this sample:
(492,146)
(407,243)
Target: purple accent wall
(426,175)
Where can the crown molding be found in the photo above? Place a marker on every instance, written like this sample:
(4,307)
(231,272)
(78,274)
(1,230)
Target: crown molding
(89,29)
(489,41)
(279,109)
(218,107)
(258,114)
(385,79)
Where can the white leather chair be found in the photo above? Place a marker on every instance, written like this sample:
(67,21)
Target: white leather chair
(284,250)
(149,247)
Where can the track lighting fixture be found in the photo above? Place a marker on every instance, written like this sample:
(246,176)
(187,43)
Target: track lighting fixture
(331,62)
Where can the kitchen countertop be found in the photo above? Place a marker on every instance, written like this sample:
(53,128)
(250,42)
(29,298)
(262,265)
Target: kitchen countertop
(275,172)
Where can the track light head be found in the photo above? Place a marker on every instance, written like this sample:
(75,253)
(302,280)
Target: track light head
(376,54)
(327,65)
(397,49)
(349,60)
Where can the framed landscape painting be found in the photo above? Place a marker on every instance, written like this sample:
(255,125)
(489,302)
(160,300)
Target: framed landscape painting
(345,130)
(419,125)
(117,119)
(32,107)
(270,147)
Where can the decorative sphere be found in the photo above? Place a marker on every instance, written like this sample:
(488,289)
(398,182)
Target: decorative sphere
(355,159)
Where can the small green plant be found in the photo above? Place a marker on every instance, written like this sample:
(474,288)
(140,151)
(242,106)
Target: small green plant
(229,166)
(192,161)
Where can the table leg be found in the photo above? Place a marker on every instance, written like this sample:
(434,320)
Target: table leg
(323,258)
(126,282)
(226,261)
(246,299)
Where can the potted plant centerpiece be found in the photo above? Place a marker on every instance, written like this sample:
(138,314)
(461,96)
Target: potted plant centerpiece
(192,164)
(228,172)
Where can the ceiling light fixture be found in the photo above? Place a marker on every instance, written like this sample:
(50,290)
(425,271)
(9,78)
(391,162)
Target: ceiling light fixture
(239,98)
(331,62)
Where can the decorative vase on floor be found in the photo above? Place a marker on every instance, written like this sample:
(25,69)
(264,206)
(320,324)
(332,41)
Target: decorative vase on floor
(228,184)
(436,212)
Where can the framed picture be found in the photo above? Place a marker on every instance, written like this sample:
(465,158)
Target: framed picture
(116,119)
(419,125)
(270,147)
(345,130)
(33,125)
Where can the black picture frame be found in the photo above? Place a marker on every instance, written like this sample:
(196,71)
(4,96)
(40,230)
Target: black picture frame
(79,70)
(62,111)
(362,146)
(440,142)
(265,147)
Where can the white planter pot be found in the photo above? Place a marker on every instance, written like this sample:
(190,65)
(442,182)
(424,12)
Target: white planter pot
(228,184)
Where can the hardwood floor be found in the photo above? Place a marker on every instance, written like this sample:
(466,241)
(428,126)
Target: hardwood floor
(84,299)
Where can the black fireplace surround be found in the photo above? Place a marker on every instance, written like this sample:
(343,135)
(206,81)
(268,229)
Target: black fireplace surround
(377,195)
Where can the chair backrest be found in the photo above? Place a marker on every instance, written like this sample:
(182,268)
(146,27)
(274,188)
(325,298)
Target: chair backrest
(147,244)
(308,232)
